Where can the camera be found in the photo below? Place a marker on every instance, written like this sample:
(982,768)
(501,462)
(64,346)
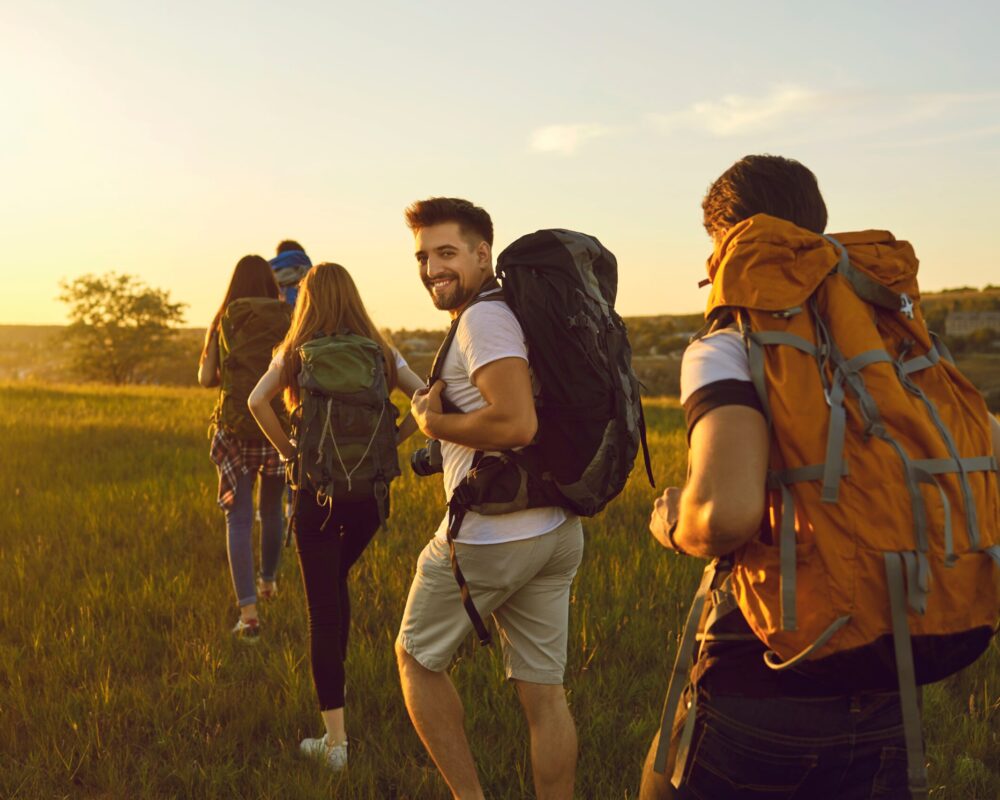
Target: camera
(427,460)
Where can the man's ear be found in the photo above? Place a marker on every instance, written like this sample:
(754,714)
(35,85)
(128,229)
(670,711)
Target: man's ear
(484,254)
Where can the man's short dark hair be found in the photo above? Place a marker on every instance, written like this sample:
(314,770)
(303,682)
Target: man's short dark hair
(781,187)
(436,210)
(289,244)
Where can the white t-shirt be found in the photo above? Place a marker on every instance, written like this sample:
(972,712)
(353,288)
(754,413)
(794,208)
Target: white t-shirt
(720,356)
(486,332)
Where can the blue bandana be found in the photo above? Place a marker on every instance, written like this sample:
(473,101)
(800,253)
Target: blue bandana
(289,268)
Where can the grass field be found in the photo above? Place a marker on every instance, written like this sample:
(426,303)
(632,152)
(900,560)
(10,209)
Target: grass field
(118,677)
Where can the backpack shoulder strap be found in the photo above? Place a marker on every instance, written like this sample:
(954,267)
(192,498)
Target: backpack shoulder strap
(488,293)
(438,364)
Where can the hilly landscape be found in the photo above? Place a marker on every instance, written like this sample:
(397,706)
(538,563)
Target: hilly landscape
(40,353)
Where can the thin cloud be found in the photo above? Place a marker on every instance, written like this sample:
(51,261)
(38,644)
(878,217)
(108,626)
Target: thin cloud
(735,114)
(565,140)
(799,111)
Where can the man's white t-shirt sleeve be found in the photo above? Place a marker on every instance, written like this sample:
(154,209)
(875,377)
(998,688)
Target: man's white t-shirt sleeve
(717,357)
(487,332)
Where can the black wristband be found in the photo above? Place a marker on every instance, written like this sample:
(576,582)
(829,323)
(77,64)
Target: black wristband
(670,538)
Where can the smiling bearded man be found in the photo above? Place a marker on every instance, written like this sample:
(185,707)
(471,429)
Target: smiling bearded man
(518,566)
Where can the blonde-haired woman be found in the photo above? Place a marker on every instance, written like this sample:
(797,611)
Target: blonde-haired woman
(328,541)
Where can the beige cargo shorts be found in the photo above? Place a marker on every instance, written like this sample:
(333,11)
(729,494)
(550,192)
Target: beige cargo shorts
(525,585)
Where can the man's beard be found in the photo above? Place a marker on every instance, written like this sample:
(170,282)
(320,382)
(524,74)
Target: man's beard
(454,296)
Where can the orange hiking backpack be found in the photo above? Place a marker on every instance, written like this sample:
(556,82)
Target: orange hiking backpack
(882,486)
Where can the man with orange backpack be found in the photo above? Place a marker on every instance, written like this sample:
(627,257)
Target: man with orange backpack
(843,478)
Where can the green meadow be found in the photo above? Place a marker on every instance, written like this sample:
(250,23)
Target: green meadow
(119,678)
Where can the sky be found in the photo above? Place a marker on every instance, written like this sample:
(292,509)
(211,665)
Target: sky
(167,140)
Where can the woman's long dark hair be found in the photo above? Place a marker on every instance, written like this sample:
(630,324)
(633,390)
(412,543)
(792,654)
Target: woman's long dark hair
(253,277)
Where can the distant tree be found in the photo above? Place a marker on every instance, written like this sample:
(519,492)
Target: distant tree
(119,326)
(958,289)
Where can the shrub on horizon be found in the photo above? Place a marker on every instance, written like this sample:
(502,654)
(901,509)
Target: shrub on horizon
(119,326)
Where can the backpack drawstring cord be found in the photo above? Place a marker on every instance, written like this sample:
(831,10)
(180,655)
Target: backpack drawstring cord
(329,428)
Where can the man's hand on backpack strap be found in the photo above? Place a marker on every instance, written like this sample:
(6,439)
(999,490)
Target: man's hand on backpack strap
(506,421)
(425,405)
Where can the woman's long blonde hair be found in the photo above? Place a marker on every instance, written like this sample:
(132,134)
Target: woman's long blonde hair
(328,303)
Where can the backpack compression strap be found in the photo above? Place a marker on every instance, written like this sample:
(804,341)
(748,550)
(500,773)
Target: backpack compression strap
(678,678)
(909,694)
(645,447)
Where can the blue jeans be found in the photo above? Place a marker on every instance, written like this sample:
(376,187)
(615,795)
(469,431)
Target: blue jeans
(239,527)
(848,748)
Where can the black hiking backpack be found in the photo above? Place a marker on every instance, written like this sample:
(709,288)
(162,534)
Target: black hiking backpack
(561,286)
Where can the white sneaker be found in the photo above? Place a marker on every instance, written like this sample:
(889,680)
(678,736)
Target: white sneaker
(248,632)
(333,755)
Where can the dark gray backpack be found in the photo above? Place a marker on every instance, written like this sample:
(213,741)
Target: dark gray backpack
(561,286)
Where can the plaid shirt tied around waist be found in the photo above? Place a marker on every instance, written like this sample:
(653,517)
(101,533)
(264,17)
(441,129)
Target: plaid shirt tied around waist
(235,457)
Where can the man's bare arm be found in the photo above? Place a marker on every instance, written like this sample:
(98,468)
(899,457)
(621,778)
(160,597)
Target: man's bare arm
(722,505)
(507,420)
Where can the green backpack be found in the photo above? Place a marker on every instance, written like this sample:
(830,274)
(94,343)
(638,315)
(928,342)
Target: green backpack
(345,424)
(250,329)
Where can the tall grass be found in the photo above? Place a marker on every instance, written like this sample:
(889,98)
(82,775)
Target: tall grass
(119,679)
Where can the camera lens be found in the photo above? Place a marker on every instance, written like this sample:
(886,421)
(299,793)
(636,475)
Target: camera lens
(427,460)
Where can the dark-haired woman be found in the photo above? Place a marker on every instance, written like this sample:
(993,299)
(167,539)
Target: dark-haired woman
(239,449)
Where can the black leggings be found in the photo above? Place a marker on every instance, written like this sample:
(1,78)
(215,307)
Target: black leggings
(326,554)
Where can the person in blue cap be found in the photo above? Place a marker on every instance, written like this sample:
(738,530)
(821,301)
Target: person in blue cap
(290,265)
